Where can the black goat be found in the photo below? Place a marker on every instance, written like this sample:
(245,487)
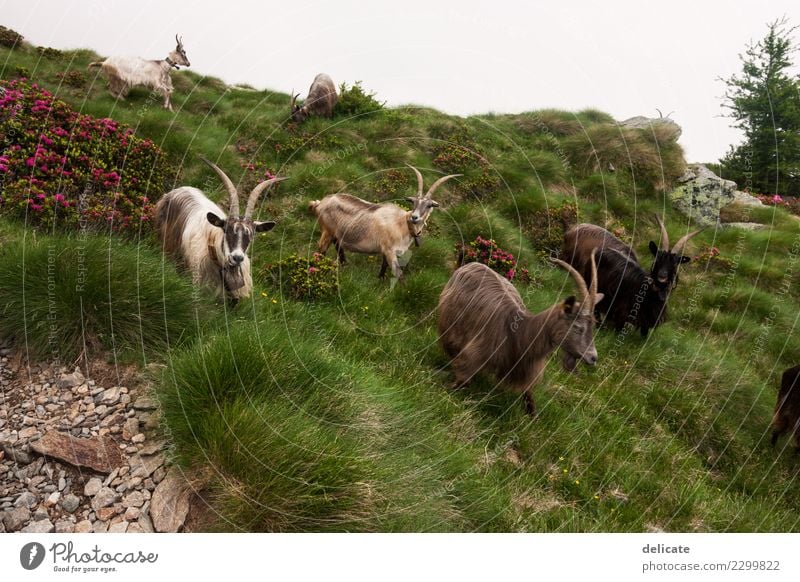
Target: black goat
(632,295)
(787,409)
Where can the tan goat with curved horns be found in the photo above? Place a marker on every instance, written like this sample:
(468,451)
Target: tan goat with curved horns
(213,245)
(484,325)
(355,225)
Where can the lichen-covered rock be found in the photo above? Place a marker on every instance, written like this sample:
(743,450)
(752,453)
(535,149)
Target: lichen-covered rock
(746,199)
(701,194)
(641,122)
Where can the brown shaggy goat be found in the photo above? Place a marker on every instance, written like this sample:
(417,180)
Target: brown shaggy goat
(787,408)
(320,101)
(484,325)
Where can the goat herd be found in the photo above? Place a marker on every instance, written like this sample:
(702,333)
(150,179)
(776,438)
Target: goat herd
(483,323)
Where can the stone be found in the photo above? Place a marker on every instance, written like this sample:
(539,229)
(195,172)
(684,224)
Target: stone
(144,403)
(132,513)
(100,454)
(16,518)
(106,513)
(28,432)
(64,526)
(130,428)
(746,199)
(39,527)
(133,499)
(84,526)
(654,124)
(135,528)
(144,465)
(70,503)
(100,527)
(139,438)
(16,453)
(701,194)
(52,499)
(40,513)
(111,395)
(27,499)
(119,527)
(92,487)
(744,225)
(71,380)
(170,503)
(105,497)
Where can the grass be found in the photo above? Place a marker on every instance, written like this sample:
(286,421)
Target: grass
(337,416)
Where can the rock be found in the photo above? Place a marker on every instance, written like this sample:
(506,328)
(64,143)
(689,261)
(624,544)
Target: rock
(28,432)
(130,428)
(746,199)
(70,503)
(133,499)
(100,527)
(144,403)
(144,465)
(42,526)
(106,513)
(170,503)
(132,513)
(744,225)
(62,483)
(139,438)
(111,395)
(27,499)
(701,194)
(105,497)
(16,518)
(71,380)
(135,528)
(40,513)
(84,526)
(16,453)
(92,487)
(662,124)
(100,454)
(64,526)
(52,499)
(119,527)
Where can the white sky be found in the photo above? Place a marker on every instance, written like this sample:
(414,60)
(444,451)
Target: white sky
(459,56)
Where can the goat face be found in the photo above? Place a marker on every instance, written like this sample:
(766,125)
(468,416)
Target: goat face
(178,56)
(299,114)
(421,209)
(664,272)
(576,334)
(239,233)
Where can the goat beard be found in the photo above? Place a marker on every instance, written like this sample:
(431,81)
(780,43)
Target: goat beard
(233,278)
(569,362)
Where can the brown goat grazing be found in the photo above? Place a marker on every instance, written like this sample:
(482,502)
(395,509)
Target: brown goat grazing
(787,409)
(320,101)
(484,325)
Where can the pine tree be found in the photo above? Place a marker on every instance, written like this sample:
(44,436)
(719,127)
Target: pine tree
(764,101)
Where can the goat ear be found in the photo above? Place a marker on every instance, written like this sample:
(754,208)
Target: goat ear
(434,204)
(598,298)
(215,220)
(411,199)
(570,305)
(653,248)
(264,226)
(684,259)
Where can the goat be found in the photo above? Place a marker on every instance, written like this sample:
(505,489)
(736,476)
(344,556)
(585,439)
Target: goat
(631,294)
(353,224)
(214,246)
(126,72)
(787,408)
(321,100)
(483,324)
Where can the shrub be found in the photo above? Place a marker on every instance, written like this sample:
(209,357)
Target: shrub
(486,252)
(74,79)
(390,183)
(22,73)
(710,258)
(68,295)
(456,152)
(9,38)
(49,53)
(65,169)
(354,101)
(546,228)
(305,278)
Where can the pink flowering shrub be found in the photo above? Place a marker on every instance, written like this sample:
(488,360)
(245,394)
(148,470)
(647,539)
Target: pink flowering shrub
(305,278)
(61,168)
(486,251)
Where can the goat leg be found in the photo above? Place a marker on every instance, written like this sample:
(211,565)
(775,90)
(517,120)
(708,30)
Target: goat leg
(530,407)
(384,266)
(339,252)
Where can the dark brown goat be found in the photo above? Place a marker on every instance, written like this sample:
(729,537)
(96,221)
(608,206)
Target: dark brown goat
(484,325)
(632,295)
(787,409)
(320,101)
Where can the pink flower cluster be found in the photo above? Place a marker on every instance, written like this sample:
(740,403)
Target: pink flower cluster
(487,252)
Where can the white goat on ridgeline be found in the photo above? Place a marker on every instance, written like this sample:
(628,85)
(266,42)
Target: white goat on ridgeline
(126,72)
(213,246)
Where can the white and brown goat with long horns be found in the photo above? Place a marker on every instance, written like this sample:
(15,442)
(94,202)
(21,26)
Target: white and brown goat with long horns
(213,245)
(321,100)
(123,73)
(355,225)
(485,326)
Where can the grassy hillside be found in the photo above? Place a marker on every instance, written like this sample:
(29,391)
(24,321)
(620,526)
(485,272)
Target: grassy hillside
(336,414)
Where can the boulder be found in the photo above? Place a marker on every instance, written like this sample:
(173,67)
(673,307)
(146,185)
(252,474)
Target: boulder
(170,504)
(98,453)
(701,194)
(654,123)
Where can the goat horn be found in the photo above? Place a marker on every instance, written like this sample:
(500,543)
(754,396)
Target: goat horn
(664,236)
(419,180)
(251,201)
(177,40)
(232,192)
(294,99)
(678,248)
(438,183)
(582,290)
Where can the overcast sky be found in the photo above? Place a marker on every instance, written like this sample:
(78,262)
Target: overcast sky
(461,56)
